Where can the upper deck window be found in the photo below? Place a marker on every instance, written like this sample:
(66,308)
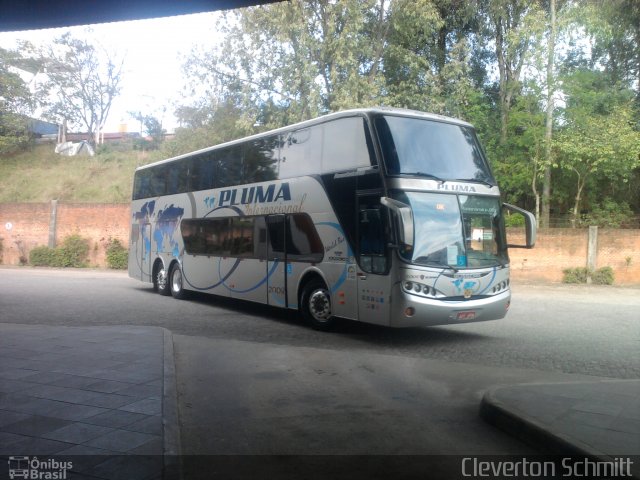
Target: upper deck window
(420,147)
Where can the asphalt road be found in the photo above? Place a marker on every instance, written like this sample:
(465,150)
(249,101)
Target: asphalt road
(585,330)
(255,381)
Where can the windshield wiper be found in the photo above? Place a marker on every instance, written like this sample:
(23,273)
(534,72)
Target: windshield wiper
(417,261)
(474,180)
(425,175)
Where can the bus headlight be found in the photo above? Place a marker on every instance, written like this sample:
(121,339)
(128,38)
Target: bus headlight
(416,288)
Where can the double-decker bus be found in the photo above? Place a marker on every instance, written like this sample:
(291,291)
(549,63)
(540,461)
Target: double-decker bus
(381,215)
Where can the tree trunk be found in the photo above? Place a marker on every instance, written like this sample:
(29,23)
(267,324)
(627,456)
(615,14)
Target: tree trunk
(502,70)
(534,189)
(576,206)
(548,137)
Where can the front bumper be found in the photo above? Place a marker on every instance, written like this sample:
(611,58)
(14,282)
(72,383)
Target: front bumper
(429,311)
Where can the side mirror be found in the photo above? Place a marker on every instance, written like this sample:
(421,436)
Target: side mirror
(404,219)
(530,225)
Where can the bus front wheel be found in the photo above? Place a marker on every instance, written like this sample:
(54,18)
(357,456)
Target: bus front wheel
(175,282)
(315,304)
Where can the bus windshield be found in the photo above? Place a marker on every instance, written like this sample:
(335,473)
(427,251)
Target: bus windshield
(432,149)
(458,231)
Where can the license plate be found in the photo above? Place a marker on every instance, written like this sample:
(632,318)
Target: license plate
(466,315)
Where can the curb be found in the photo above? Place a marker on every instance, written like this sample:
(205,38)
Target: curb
(527,429)
(170,425)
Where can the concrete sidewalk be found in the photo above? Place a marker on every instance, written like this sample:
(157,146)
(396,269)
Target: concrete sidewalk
(597,419)
(102,398)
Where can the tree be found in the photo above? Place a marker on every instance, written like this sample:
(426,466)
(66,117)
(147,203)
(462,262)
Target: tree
(82,82)
(15,102)
(614,28)
(513,26)
(548,135)
(290,61)
(598,137)
(152,126)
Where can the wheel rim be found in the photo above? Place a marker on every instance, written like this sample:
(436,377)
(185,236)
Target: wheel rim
(320,305)
(176,280)
(161,279)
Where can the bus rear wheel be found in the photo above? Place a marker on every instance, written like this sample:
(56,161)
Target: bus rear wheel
(315,305)
(161,281)
(176,282)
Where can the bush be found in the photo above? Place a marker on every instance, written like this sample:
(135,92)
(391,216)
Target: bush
(514,220)
(42,256)
(72,253)
(601,276)
(117,255)
(575,275)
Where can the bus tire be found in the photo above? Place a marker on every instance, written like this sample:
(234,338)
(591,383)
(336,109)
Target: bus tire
(161,281)
(315,305)
(176,282)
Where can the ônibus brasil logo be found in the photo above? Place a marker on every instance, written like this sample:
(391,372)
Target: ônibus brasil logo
(35,469)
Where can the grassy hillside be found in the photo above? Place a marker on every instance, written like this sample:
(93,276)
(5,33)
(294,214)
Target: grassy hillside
(40,175)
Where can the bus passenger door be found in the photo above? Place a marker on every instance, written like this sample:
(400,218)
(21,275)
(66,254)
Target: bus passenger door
(374,288)
(276,261)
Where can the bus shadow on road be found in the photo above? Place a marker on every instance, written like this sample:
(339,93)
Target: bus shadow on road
(345,331)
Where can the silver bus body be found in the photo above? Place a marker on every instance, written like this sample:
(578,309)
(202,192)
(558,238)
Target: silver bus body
(322,221)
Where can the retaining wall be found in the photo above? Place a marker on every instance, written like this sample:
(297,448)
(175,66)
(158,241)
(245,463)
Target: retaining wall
(27,225)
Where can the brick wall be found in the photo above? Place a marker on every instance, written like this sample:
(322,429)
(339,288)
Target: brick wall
(560,248)
(30,227)
(556,249)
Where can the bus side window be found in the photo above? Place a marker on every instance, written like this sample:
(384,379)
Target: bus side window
(261,160)
(372,250)
(158,182)
(345,145)
(275,229)
(230,166)
(303,241)
(142,184)
(301,152)
(241,237)
(202,171)
(177,181)
(260,238)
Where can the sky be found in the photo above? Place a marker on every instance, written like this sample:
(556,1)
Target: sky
(153,50)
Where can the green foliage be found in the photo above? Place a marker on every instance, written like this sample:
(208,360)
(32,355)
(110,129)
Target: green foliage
(601,276)
(609,214)
(599,138)
(117,255)
(42,256)
(39,175)
(514,220)
(72,253)
(495,63)
(205,129)
(575,275)
(82,81)
(15,101)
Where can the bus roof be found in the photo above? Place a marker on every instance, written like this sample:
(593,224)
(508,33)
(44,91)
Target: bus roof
(322,119)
